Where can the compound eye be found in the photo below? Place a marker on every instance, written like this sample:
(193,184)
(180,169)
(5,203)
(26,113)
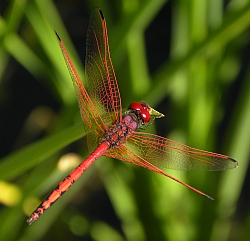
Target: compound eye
(136,106)
(145,106)
(145,115)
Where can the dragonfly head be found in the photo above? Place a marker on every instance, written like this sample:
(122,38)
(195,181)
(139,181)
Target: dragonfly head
(146,114)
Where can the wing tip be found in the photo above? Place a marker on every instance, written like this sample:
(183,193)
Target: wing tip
(234,162)
(207,196)
(57,35)
(101,14)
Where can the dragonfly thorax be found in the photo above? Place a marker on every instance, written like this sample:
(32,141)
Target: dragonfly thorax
(138,116)
(118,133)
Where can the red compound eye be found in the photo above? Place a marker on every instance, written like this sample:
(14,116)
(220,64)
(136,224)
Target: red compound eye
(143,110)
(145,106)
(136,106)
(145,115)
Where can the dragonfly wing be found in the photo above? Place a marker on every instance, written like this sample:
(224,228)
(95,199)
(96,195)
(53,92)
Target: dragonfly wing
(91,118)
(165,153)
(101,105)
(127,152)
(100,76)
(145,149)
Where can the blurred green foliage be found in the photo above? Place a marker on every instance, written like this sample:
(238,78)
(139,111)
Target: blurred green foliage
(204,77)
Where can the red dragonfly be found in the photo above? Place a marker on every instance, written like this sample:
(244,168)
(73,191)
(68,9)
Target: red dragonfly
(114,134)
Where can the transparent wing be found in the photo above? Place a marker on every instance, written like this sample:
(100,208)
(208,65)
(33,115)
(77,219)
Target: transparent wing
(100,76)
(101,105)
(165,153)
(91,118)
(154,152)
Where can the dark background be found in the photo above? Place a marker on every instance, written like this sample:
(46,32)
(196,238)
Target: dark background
(190,61)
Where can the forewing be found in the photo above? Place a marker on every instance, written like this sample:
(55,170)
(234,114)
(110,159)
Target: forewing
(147,150)
(165,153)
(100,76)
(127,152)
(93,123)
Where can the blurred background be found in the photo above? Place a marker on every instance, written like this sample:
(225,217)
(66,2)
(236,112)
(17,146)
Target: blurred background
(187,59)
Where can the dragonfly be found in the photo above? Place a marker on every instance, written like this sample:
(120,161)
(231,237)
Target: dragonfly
(115,134)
